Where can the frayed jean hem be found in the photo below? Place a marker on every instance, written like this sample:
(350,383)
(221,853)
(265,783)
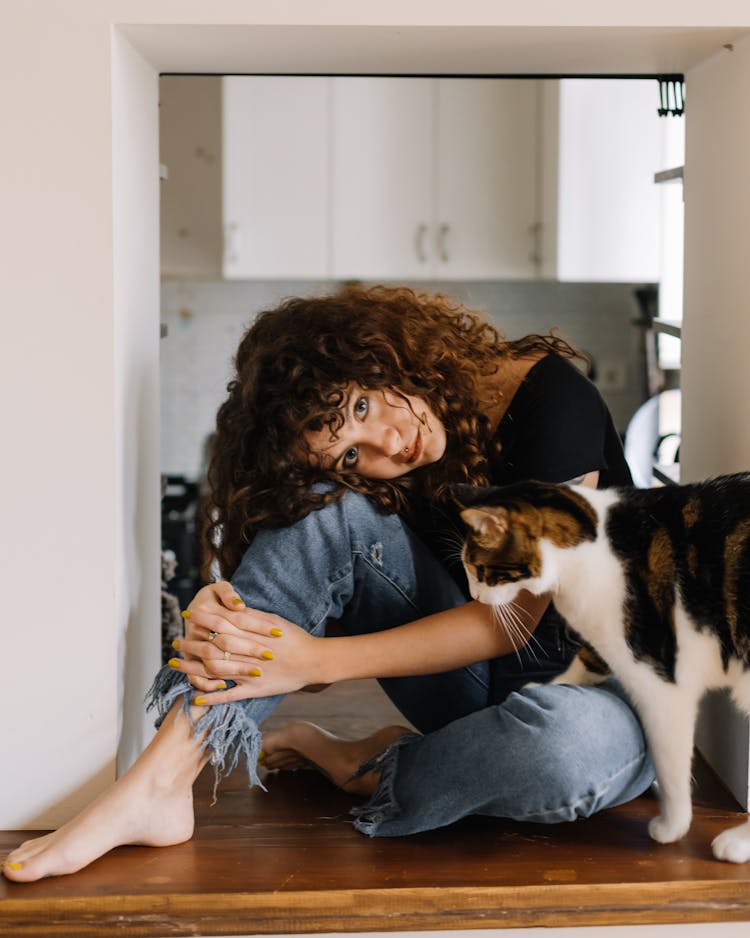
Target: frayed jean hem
(231,735)
(383,805)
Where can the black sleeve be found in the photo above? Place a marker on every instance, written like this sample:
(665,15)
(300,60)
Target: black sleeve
(565,430)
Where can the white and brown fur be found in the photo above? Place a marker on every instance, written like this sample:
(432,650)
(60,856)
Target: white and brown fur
(655,581)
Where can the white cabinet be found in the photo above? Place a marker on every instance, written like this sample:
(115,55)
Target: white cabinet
(610,145)
(486,165)
(379,178)
(382,180)
(275,177)
(434,178)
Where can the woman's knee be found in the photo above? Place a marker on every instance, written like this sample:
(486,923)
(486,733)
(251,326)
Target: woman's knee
(582,750)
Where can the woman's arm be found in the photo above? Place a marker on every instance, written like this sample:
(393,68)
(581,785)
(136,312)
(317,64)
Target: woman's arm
(263,663)
(269,655)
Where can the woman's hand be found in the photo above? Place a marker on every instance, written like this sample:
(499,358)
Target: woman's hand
(263,654)
(216,599)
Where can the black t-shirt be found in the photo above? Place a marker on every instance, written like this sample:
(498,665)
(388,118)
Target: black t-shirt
(556,428)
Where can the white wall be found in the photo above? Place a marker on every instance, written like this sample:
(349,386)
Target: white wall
(716,327)
(135,192)
(79,466)
(58,538)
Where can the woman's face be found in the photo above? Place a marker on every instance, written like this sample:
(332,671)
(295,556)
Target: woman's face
(385,434)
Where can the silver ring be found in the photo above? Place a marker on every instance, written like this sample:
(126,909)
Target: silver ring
(227,654)
(211,635)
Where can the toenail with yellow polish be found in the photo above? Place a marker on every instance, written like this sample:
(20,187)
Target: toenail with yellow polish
(236,601)
(14,866)
(268,655)
(277,633)
(185,613)
(174,663)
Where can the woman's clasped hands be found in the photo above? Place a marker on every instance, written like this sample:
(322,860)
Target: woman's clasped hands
(261,653)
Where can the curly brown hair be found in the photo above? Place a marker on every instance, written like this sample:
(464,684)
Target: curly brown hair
(291,369)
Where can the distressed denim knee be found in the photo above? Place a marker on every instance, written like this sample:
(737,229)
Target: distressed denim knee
(547,754)
(346,561)
(586,752)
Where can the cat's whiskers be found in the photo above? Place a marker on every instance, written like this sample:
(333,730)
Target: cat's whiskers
(502,616)
(526,635)
(527,631)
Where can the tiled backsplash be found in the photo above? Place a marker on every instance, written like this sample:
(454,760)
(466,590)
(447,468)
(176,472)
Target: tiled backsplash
(205,320)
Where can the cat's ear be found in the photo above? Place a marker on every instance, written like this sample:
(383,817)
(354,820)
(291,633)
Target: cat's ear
(490,524)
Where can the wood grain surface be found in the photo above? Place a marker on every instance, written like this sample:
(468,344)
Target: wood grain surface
(289,861)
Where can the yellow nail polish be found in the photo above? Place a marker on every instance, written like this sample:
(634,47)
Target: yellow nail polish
(261,757)
(174,663)
(268,655)
(200,701)
(185,613)
(176,644)
(221,686)
(14,866)
(277,633)
(256,672)
(237,601)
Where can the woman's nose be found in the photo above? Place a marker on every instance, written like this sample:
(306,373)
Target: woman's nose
(390,441)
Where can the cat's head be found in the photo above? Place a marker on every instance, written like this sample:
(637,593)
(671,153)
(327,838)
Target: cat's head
(512,533)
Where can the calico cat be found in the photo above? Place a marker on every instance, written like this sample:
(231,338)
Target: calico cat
(655,581)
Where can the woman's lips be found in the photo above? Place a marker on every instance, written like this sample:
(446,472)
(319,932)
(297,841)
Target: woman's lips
(416,449)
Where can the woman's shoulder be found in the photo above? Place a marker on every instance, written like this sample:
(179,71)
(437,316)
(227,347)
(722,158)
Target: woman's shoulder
(559,383)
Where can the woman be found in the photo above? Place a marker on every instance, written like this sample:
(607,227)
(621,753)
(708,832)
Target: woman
(348,419)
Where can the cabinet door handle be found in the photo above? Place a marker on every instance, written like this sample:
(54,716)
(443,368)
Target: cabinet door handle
(535,252)
(442,243)
(419,237)
(231,242)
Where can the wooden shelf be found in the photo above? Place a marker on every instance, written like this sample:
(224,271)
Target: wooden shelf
(289,861)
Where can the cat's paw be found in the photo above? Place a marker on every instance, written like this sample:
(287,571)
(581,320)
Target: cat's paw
(667,830)
(733,845)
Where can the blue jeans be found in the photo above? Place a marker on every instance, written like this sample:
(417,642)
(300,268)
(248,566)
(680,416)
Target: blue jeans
(546,754)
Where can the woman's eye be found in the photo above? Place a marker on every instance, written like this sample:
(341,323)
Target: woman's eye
(350,458)
(361,408)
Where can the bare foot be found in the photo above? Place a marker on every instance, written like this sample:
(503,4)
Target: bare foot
(302,745)
(152,804)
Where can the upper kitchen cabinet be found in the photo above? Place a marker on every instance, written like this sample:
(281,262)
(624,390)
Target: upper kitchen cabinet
(611,142)
(382,194)
(434,178)
(275,177)
(486,160)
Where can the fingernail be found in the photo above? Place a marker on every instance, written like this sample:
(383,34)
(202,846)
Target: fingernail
(200,701)
(185,613)
(261,757)
(237,601)
(268,655)
(221,686)
(174,663)
(256,672)
(277,633)
(176,644)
